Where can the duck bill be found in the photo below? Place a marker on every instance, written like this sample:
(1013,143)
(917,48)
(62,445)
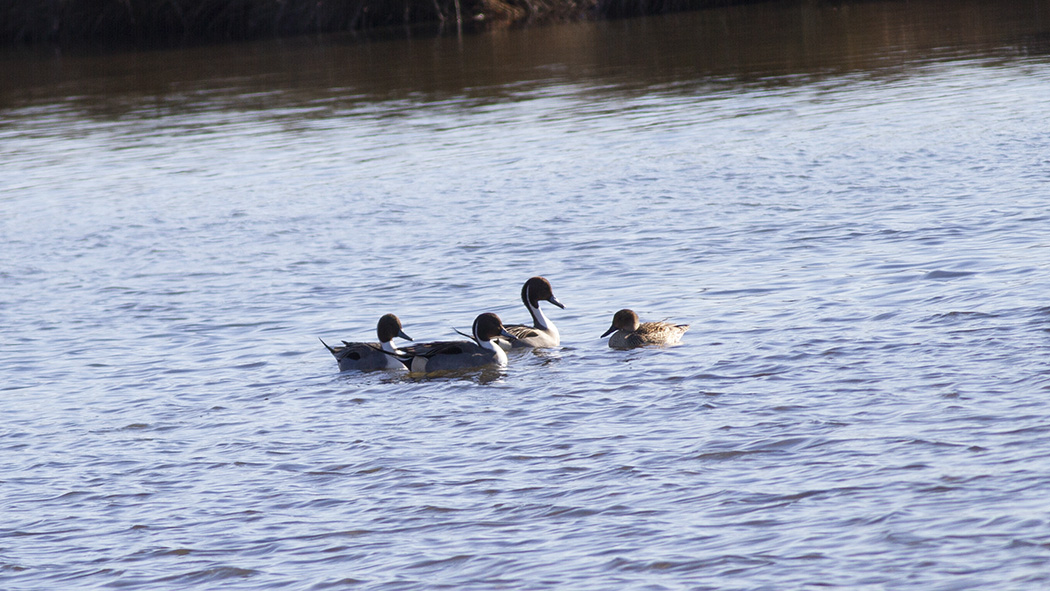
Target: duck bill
(505,333)
(611,330)
(402,334)
(555,301)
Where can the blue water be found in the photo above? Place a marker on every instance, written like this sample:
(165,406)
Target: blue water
(860,242)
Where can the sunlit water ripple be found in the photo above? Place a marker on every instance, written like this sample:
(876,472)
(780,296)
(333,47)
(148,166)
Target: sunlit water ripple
(861,401)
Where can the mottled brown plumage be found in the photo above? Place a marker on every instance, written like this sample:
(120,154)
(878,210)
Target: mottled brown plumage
(628,333)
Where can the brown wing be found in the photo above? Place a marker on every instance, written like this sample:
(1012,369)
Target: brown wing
(659,333)
(634,340)
(520,331)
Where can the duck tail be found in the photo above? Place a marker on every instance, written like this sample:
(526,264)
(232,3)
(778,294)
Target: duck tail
(330,349)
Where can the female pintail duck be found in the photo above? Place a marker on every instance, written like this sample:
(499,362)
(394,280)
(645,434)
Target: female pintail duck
(372,356)
(542,333)
(456,355)
(629,333)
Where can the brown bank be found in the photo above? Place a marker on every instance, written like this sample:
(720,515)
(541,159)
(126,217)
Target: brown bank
(163,22)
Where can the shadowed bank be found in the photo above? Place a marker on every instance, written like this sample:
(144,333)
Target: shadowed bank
(162,22)
(748,44)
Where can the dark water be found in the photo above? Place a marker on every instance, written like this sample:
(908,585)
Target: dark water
(850,204)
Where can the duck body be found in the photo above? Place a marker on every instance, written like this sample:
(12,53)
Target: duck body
(372,356)
(365,357)
(542,333)
(628,333)
(460,355)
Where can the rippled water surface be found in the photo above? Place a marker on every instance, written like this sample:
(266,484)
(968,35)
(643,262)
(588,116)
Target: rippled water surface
(849,204)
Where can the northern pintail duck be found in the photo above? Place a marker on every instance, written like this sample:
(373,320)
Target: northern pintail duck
(542,333)
(457,355)
(629,333)
(372,356)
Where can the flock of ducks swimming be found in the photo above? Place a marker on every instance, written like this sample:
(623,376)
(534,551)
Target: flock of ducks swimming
(491,339)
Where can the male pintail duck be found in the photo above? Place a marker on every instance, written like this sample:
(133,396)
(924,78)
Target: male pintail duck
(542,333)
(372,356)
(629,333)
(456,355)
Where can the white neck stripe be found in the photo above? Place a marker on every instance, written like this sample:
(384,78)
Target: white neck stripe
(540,319)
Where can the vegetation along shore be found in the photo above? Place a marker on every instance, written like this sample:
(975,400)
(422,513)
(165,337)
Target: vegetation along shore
(179,21)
